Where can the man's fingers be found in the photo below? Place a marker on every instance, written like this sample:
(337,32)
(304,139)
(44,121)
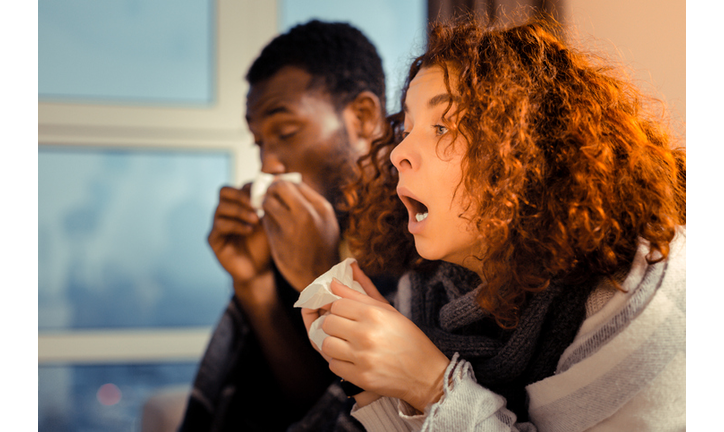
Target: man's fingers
(286,194)
(315,198)
(233,210)
(235,204)
(232,193)
(287,209)
(276,213)
(224,227)
(299,198)
(280,207)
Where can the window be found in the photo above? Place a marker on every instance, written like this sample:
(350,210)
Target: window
(158,52)
(140,123)
(121,238)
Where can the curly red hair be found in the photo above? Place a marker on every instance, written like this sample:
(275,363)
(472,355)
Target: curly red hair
(565,168)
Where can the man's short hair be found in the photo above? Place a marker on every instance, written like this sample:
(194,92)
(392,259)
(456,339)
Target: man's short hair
(337,55)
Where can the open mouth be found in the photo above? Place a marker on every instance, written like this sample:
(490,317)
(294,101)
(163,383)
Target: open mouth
(415,207)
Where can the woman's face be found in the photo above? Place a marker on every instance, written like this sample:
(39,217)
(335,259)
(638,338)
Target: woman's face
(430,172)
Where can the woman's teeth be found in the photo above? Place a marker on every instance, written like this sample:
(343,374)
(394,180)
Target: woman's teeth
(421,216)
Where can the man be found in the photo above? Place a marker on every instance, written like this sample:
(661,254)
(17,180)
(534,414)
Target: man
(316,102)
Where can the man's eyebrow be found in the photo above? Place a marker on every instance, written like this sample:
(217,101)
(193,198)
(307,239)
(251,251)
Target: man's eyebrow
(273,109)
(277,109)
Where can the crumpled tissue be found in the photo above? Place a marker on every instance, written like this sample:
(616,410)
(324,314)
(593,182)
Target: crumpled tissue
(262,182)
(319,293)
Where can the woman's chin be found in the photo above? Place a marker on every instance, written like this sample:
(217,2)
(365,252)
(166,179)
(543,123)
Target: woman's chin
(424,252)
(431,254)
(428,253)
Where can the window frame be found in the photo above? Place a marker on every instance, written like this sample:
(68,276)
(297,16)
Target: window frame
(242,28)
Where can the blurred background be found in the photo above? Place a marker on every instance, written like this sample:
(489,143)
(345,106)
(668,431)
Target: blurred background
(140,122)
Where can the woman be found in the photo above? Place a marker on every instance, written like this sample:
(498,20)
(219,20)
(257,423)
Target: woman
(540,212)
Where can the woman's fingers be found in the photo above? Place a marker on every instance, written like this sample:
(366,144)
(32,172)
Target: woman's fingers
(366,283)
(346,292)
(338,326)
(311,315)
(343,369)
(336,348)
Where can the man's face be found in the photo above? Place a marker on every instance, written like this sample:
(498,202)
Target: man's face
(298,129)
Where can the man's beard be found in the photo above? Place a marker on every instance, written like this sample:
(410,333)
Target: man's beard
(337,173)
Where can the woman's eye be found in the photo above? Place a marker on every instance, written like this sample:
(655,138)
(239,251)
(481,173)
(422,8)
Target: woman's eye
(405,134)
(440,130)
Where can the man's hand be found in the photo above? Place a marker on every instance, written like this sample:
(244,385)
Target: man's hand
(303,232)
(241,245)
(238,239)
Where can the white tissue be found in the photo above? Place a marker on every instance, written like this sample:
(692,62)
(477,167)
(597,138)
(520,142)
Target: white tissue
(319,293)
(316,334)
(261,184)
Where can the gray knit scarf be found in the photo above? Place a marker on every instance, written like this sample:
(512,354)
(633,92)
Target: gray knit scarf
(505,361)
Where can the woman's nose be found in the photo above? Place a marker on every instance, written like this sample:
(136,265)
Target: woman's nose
(400,157)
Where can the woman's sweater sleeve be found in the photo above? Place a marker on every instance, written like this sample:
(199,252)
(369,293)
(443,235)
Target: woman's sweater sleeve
(465,405)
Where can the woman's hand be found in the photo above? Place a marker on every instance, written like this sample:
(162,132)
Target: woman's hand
(375,347)
(311,315)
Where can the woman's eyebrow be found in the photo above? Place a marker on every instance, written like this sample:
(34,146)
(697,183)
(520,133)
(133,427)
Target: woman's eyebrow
(441,98)
(435,101)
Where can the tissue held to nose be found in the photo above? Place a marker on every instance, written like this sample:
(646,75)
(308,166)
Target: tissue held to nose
(319,293)
(262,182)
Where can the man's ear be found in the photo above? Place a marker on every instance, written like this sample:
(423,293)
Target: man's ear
(366,113)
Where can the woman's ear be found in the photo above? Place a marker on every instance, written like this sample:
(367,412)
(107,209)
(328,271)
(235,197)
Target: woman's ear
(366,110)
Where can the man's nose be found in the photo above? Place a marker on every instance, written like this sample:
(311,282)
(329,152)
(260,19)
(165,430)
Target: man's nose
(272,164)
